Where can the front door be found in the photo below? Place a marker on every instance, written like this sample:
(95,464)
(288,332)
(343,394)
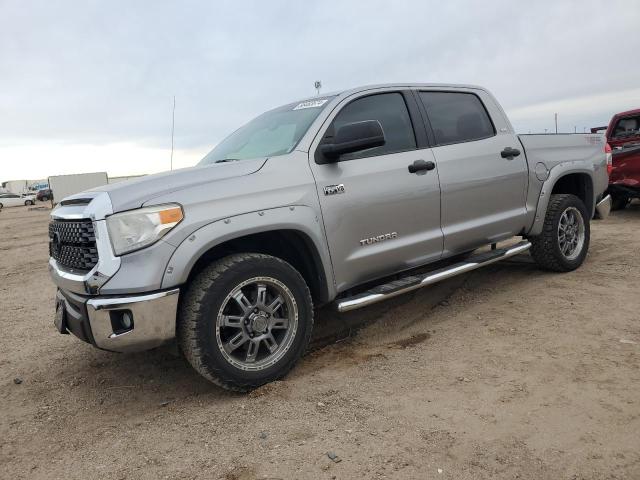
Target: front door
(379,218)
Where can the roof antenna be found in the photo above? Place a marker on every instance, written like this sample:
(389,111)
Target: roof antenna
(173,123)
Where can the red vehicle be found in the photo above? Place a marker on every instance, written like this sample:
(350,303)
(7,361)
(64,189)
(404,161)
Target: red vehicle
(623,136)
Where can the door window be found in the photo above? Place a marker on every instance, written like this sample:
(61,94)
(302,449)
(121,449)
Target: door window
(457,117)
(391,111)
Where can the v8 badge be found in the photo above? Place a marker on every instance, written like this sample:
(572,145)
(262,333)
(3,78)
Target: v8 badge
(333,189)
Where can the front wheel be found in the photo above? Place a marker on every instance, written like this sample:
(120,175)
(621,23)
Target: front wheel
(28,203)
(245,320)
(563,244)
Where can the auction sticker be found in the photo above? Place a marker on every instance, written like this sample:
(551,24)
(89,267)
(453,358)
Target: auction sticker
(311,104)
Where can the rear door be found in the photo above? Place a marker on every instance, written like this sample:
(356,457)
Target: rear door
(379,218)
(483,193)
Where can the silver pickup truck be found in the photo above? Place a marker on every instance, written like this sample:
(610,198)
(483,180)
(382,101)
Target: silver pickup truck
(346,198)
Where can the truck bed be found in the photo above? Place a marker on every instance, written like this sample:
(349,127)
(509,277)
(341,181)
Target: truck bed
(554,149)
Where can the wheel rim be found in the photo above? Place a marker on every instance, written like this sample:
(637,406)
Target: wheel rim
(257,323)
(571,233)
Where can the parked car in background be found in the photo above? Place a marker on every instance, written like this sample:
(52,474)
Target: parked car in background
(44,195)
(623,137)
(15,200)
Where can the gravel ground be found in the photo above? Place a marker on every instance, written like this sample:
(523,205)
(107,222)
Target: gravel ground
(507,372)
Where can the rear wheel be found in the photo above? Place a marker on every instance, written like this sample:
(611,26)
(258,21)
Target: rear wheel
(28,203)
(563,244)
(45,198)
(245,320)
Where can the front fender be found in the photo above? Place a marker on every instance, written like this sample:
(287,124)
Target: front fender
(295,217)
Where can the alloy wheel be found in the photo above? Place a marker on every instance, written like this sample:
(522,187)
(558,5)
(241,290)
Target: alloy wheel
(256,323)
(571,233)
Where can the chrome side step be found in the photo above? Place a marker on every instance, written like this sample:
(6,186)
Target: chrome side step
(413,282)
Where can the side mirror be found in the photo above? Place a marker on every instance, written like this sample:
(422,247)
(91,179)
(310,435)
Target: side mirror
(354,137)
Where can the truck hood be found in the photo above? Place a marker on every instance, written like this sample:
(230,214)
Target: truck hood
(136,192)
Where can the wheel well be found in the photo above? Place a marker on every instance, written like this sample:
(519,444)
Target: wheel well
(292,246)
(578,184)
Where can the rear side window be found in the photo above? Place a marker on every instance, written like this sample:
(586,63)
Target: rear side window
(457,117)
(391,111)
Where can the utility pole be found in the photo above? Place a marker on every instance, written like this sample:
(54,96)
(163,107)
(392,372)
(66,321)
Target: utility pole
(555,115)
(173,123)
(575,129)
(318,86)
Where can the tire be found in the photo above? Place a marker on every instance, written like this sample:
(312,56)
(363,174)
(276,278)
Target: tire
(217,332)
(619,202)
(1,206)
(44,198)
(546,248)
(28,203)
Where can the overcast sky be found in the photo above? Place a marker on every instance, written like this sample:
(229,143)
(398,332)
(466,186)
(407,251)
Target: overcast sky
(89,85)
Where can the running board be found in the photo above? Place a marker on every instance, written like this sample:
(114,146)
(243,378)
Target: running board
(413,282)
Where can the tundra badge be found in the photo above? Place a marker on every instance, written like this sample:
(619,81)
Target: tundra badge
(379,238)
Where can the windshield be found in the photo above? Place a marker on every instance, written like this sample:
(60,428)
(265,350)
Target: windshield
(275,132)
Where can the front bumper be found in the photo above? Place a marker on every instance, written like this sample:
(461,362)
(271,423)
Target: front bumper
(98,320)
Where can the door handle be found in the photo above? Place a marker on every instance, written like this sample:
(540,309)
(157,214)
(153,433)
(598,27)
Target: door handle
(421,165)
(509,153)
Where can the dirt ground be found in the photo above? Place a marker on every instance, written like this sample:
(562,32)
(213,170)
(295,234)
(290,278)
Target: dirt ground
(506,372)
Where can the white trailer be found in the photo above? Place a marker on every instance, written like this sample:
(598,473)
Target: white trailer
(17,186)
(64,185)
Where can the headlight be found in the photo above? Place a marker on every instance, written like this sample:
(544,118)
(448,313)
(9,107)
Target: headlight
(140,228)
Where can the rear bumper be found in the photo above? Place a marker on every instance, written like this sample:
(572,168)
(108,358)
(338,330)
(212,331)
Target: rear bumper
(603,207)
(98,320)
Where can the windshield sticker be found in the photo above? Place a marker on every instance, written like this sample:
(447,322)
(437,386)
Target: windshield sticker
(311,104)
